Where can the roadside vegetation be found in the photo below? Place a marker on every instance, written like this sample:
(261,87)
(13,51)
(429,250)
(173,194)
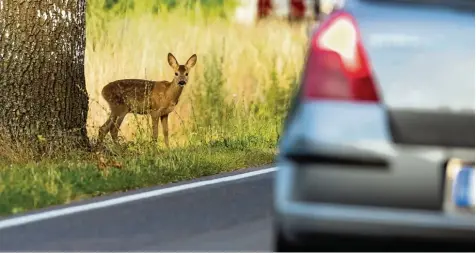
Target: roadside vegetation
(228,117)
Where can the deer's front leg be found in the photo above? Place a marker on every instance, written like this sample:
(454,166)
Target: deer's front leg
(155,127)
(165,129)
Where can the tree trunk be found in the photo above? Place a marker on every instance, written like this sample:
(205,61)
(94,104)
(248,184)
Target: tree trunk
(43,98)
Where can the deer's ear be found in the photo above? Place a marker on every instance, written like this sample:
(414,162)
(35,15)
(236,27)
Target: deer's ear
(172,61)
(191,61)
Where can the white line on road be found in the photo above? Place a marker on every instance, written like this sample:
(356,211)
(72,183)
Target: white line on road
(7,223)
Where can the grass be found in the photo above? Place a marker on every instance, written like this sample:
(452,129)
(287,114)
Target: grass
(228,117)
(52,182)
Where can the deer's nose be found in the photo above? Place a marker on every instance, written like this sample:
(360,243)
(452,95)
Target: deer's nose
(181,82)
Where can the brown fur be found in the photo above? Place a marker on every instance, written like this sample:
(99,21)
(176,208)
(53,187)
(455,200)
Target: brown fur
(156,98)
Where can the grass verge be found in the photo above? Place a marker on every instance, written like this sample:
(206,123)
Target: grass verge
(30,186)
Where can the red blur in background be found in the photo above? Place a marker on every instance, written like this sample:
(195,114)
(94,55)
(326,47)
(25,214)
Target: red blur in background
(297,8)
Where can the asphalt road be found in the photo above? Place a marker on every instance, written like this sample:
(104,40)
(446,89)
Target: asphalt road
(228,216)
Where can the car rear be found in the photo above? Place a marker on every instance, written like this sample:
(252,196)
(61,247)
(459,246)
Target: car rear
(386,101)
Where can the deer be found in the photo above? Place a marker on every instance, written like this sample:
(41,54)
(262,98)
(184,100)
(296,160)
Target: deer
(155,98)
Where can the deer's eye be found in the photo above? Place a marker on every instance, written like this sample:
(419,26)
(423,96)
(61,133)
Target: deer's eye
(186,74)
(176,74)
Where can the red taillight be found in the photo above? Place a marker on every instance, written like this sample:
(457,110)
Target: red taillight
(337,67)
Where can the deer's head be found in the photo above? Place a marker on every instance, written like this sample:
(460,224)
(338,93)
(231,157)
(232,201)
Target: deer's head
(181,71)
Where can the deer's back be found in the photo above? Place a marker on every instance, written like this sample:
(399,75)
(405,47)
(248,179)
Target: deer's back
(136,94)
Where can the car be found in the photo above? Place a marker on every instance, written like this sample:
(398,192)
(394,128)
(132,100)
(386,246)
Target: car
(384,106)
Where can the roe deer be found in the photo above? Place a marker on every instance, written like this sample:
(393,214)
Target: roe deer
(157,98)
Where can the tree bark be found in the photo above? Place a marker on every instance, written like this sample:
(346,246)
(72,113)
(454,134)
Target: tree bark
(43,98)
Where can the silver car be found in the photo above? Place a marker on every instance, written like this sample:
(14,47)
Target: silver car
(385,105)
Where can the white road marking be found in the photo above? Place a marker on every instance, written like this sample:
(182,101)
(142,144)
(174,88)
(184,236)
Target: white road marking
(13,222)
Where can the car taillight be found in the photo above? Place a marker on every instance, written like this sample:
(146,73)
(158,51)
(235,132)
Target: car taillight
(337,66)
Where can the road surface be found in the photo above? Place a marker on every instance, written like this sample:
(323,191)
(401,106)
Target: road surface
(233,215)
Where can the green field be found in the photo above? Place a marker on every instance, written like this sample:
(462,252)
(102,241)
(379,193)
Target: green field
(228,117)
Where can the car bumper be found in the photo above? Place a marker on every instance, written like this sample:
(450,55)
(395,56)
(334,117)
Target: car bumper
(297,217)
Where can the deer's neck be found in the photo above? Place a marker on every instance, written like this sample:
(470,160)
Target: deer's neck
(174,91)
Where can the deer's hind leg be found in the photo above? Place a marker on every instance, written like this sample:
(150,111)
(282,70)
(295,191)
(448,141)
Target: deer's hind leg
(115,128)
(116,124)
(104,129)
